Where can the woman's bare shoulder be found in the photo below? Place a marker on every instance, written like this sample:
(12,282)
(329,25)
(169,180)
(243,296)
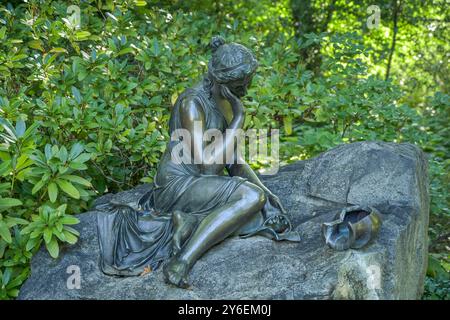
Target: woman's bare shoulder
(191,109)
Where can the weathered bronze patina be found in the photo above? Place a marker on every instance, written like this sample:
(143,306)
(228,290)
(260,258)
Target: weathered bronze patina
(192,207)
(352,228)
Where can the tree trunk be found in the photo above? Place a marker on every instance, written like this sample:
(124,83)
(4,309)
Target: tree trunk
(395,14)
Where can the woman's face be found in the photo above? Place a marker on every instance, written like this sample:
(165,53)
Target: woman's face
(239,87)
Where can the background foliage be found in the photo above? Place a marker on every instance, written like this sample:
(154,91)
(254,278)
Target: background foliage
(84,109)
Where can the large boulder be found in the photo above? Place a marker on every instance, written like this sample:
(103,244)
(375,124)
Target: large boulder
(390,177)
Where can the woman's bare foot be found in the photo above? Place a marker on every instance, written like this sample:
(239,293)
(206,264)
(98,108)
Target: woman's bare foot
(176,272)
(184,226)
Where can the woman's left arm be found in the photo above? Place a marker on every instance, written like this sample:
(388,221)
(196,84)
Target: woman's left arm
(243,170)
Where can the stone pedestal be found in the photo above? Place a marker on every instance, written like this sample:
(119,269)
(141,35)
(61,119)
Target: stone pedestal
(390,177)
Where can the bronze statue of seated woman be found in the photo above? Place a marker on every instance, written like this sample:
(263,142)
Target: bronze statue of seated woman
(196,204)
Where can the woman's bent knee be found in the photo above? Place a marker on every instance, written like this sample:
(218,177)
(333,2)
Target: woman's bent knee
(253,195)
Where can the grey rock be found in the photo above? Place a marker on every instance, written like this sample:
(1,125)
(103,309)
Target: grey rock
(390,177)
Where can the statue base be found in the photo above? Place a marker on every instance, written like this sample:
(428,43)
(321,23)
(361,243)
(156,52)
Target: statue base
(390,177)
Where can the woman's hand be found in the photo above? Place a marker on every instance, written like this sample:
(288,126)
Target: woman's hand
(235,102)
(275,202)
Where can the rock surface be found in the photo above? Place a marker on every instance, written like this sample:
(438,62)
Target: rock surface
(391,177)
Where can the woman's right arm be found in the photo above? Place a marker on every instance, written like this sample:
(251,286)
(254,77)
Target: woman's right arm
(193,120)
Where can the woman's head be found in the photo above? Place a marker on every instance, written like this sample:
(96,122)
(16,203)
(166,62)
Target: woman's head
(232,65)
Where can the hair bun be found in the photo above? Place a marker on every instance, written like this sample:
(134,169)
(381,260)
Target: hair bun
(216,42)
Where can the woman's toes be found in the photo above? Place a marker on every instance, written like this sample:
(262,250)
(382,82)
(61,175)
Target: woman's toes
(184,284)
(175,272)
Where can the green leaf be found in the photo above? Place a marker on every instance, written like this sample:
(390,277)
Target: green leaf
(435,269)
(2,32)
(8,128)
(76,150)
(53,247)
(82,74)
(82,35)
(63,154)
(58,50)
(155,100)
(3,246)
(5,168)
(20,128)
(62,170)
(83,158)
(76,179)
(155,47)
(112,16)
(35,234)
(50,58)
(70,238)
(19,57)
(140,3)
(71,230)
(6,276)
(4,232)
(9,202)
(38,186)
(23,162)
(77,166)
(68,188)
(55,150)
(52,191)
(48,151)
(32,243)
(69,220)
(60,235)
(13,293)
(125,51)
(12,221)
(287,122)
(47,235)
(76,93)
